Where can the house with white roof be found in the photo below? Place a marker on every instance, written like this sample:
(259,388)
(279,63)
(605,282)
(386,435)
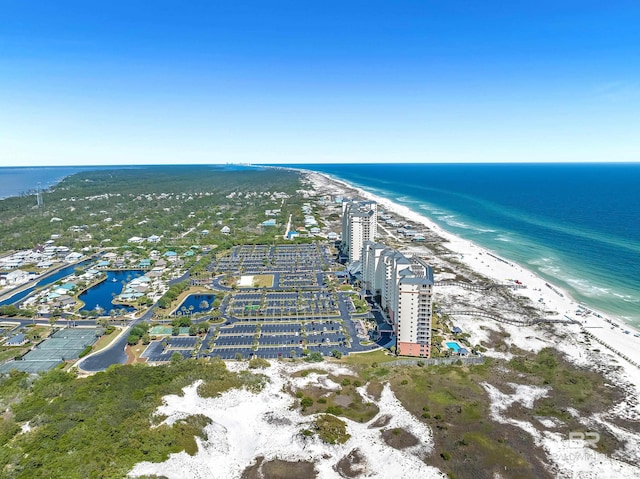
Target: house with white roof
(73,257)
(16,277)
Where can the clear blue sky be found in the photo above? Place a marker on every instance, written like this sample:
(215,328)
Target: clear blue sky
(110,82)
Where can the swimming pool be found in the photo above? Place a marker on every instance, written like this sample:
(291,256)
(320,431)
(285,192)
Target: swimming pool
(453,346)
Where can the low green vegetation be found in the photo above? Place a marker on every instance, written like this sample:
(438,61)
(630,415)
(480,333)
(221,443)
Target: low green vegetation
(346,402)
(258,363)
(99,427)
(314,357)
(11,311)
(452,401)
(569,387)
(331,429)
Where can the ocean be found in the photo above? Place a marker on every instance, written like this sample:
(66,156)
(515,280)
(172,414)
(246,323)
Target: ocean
(576,225)
(15,181)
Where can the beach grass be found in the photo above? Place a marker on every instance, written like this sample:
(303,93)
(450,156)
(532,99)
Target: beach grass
(456,408)
(367,359)
(345,402)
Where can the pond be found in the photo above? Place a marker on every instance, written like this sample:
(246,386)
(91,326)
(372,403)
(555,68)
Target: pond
(195,303)
(101,295)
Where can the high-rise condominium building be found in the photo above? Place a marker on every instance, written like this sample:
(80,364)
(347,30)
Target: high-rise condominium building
(404,287)
(359,224)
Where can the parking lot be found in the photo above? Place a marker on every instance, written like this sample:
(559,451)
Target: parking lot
(234,341)
(293,258)
(268,338)
(298,281)
(181,343)
(296,312)
(307,305)
(157,352)
(283,328)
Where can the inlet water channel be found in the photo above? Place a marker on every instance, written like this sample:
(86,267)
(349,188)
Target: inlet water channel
(46,281)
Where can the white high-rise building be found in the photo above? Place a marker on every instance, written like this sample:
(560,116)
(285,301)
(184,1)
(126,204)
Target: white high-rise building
(405,286)
(359,224)
(372,273)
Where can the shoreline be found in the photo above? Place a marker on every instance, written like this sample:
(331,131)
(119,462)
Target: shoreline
(607,329)
(31,191)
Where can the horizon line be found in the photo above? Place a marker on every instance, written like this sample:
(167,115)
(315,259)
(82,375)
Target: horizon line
(137,165)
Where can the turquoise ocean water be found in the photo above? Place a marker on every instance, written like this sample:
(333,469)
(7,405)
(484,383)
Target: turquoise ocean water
(577,225)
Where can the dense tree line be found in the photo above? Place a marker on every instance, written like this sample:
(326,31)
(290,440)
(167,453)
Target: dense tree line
(172,294)
(166,201)
(100,426)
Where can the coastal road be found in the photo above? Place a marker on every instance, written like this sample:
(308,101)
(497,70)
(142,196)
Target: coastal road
(286,231)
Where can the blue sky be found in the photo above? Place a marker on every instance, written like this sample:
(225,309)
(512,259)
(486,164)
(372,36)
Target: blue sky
(111,82)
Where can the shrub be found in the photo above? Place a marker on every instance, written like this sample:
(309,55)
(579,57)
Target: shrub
(445,455)
(258,363)
(85,351)
(331,429)
(335,410)
(314,357)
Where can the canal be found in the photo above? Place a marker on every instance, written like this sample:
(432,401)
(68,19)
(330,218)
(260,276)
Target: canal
(46,281)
